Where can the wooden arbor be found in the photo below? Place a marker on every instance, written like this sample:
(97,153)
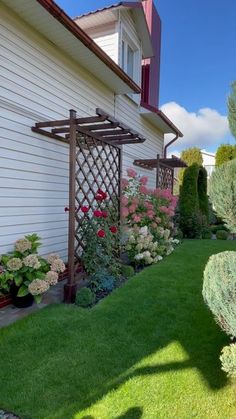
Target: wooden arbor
(95,159)
(164,169)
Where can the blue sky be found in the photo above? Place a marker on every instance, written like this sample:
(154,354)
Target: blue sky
(198,63)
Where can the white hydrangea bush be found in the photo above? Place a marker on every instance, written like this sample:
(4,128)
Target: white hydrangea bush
(30,272)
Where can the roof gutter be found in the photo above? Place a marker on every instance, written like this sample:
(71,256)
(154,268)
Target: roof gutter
(70,25)
(169,143)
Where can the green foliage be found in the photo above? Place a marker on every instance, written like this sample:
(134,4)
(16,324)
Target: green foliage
(217,227)
(102,280)
(207,234)
(228,360)
(232,109)
(190,156)
(85,297)
(221,235)
(222,190)
(127,270)
(219,289)
(193,203)
(225,153)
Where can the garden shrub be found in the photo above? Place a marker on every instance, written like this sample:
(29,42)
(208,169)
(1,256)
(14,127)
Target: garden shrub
(127,271)
(193,205)
(217,227)
(102,280)
(225,153)
(228,360)
(222,189)
(219,289)
(190,156)
(84,297)
(221,235)
(207,234)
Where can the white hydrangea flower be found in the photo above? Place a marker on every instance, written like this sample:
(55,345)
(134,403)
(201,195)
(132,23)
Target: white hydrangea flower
(32,261)
(51,277)
(38,286)
(22,245)
(144,231)
(52,257)
(58,266)
(139,256)
(14,264)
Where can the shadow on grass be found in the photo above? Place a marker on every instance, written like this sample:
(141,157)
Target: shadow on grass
(71,358)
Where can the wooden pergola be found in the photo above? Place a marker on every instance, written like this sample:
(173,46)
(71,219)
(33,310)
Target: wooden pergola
(95,162)
(164,169)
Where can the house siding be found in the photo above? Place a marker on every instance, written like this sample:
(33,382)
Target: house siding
(38,82)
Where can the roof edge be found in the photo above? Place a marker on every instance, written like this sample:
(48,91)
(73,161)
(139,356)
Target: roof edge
(69,24)
(163,117)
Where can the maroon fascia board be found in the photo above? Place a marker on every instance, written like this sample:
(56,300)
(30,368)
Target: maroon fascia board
(69,24)
(163,117)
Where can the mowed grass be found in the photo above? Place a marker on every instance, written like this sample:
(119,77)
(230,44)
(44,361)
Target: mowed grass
(149,350)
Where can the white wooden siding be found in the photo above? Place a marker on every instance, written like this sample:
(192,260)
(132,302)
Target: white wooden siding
(38,82)
(106,36)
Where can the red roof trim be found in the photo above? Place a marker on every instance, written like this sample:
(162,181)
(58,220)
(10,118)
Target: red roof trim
(163,117)
(69,24)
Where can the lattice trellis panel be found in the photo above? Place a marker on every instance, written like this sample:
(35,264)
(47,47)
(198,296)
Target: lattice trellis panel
(98,166)
(165,177)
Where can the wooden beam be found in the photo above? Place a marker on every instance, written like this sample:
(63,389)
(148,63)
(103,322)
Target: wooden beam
(96,127)
(59,123)
(118,137)
(49,134)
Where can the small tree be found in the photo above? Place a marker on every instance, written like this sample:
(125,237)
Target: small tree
(190,156)
(193,203)
(232,109)
(225,153)
(222,190)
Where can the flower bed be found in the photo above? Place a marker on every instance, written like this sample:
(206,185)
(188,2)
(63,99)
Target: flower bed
(148,220)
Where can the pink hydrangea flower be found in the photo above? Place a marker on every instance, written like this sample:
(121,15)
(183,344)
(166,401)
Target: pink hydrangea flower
(158,220)
(154,225)
(143,189)
(124,183)
(124,212)
(136,218)
(131,172)
(124,200)
(132,209)
(150,214)
(143,180)
(164,209)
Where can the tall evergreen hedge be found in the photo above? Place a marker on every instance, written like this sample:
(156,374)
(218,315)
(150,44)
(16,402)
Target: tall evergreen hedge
(193,203)
(222,190)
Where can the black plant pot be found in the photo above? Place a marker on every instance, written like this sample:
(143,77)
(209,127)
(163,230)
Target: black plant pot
(20,302)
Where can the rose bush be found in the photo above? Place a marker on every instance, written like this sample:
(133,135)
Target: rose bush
(147,219)
(31,273)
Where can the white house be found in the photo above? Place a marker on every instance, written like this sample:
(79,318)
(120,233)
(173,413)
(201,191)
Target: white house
(50,64)
(209,161)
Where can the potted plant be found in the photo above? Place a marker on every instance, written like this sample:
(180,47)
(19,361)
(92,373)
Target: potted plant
(26,274)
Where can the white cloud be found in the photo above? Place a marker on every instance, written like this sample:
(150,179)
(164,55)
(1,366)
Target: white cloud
(205,128)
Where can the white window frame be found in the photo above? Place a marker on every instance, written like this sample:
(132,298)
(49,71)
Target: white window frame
(127,42)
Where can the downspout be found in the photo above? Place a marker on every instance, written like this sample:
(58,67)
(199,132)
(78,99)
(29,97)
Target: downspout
(170,142)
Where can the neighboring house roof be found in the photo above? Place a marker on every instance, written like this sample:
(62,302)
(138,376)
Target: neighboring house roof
(92,19)
(49,19)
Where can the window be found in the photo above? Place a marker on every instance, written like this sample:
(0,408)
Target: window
(130,60)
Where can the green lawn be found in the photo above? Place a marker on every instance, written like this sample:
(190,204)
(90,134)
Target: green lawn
(150,350)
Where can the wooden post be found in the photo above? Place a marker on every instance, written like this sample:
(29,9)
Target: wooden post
(157,170)
(70,287)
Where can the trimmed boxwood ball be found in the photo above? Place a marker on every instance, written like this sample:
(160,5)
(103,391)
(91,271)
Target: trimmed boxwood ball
(228,360)
(222,235)
(219,289)
(127,271)
(84,297)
